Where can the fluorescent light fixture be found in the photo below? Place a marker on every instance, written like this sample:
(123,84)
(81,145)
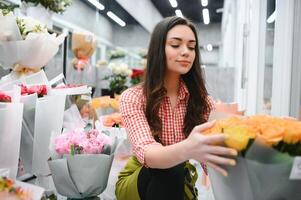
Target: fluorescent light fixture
(209,47)
(97,4)
(116,18)
(179,13)
(204,3)
(173,3)
(206,17)
(272,17)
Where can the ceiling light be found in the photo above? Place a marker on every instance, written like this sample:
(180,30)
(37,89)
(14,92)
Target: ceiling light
(179,13)
(97,4)
(206,17)
(116,18)
(209,47)
(272,17)
(173,3)
(204,3)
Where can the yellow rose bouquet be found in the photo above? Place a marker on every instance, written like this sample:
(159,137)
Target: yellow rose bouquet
(267,166)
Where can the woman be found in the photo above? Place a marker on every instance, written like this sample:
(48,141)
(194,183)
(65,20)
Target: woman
(165,117)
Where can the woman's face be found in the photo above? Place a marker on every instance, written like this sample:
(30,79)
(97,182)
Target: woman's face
(180,49)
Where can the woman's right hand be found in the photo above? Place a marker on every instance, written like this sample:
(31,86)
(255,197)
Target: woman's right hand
(208,149)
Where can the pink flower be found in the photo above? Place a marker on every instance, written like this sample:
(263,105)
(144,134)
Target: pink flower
(89,143)
(41,90)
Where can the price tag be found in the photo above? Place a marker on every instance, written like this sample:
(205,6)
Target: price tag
(296,169)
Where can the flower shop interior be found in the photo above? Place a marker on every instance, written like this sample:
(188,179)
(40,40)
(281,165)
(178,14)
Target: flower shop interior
(78,56)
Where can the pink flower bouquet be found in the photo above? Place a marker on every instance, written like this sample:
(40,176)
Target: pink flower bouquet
(85,163)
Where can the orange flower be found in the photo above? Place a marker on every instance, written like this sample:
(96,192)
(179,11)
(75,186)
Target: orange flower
(268,129)
(271,133)
(292,132)
(113,119)
(238,132)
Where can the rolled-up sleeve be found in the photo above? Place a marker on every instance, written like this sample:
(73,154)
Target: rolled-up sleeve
(138,130)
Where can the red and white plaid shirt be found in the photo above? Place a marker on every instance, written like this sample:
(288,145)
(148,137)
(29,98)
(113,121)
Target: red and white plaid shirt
(132,106)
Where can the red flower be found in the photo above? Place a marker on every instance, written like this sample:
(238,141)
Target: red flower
(4,97)
(23,90)
(137,73)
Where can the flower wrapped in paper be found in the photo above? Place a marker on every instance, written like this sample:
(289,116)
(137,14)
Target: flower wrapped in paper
(16,190)
(84,165)
(10,131)
(105,105)
(269,148)
(83,46)
(25,45)
(4,97)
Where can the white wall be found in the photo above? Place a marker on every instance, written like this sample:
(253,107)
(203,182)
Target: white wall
(87,18)
(130,36)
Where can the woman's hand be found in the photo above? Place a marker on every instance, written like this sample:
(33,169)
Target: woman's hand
(206,148)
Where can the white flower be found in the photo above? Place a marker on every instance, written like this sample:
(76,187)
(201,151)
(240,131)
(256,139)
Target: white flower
(29,25)
(32,25)
(120,69)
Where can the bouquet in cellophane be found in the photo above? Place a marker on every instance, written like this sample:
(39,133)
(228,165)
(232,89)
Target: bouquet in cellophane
(269,156)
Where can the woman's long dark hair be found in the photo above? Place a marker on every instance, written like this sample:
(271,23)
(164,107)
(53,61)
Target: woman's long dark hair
(198,106)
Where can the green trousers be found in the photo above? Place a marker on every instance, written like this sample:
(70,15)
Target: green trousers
(126,186)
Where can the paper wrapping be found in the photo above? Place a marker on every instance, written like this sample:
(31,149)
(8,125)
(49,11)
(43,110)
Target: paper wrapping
(83,45)
(71,91)
(9,30)
(38,78)
(82,176)
(10,134)
(73,119)
(26,148)
(48,118)
(34,52)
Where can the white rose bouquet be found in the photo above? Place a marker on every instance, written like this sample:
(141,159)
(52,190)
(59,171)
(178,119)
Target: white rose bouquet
(25,45)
